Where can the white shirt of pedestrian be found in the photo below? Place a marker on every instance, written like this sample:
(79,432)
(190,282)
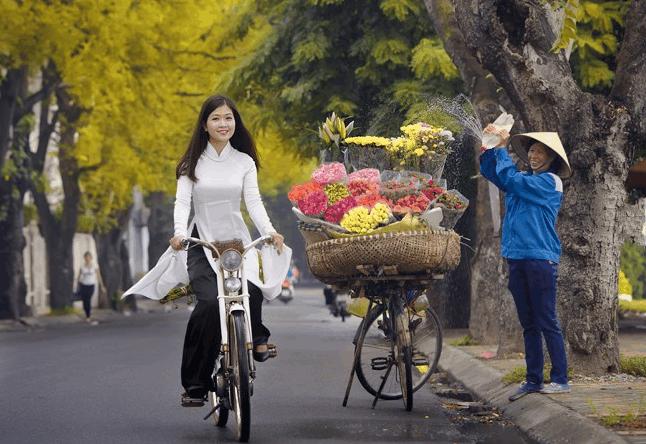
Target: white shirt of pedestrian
(87,275)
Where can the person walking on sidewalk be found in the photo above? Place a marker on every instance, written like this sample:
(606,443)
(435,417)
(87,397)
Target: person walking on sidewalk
(88,278)
(532,247)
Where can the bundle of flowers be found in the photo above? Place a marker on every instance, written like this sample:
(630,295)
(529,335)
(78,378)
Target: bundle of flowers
(420,148)
(432,190)
(334,213)
(359,187)
(362,220)
(453,205)
(368,141)
(370,200)
(300,191)
(313,204)
(428,138)
(413,203)
(329,173)
(395,189)
(335,192)
(367,174)
(450,201)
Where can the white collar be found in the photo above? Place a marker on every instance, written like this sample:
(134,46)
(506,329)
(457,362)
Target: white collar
(212,154)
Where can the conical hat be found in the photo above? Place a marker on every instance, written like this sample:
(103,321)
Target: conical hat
(521,143)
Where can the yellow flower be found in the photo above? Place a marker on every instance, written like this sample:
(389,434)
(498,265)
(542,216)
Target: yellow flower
(368,141)
(419,152)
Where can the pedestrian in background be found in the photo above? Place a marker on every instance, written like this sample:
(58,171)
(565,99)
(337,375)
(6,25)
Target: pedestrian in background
(532,247)
(88,278)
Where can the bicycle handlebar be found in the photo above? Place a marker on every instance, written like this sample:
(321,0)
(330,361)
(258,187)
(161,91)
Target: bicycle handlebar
(192,240)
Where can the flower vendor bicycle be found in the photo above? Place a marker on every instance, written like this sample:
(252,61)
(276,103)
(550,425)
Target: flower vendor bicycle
(398,331)
(233,380)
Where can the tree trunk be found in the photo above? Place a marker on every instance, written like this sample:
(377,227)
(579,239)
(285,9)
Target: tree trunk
(59,232)
(492,314)
(12,243)
(160,224)
(126,277)
(513,41)
(110,260)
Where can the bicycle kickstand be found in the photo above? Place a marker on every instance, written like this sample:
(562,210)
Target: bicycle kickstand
(383,383)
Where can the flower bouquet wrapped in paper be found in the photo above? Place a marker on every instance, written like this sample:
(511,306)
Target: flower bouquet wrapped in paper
(453,205)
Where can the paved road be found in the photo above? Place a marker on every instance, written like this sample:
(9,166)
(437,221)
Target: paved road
(118,382)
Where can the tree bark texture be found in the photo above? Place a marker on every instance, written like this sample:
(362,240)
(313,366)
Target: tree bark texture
(513,41)
(492,317)
(110,258)
(12,243)
(14,140)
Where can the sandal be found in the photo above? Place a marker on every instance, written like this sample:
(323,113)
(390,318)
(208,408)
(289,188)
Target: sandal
(188,401)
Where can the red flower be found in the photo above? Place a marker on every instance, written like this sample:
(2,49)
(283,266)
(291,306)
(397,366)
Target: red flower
(335,212)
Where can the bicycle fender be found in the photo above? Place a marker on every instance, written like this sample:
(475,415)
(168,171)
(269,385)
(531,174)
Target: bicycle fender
(236,306)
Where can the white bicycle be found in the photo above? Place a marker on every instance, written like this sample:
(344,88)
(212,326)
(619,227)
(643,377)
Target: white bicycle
(235,368)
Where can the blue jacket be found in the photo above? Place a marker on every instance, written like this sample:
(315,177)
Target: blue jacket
(532,203)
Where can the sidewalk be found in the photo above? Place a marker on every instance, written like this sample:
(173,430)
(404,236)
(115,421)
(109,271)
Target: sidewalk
(101,315)
(597,410)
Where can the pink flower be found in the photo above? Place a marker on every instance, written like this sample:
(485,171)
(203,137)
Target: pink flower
(329,173)
(359,187)
(335,212)
(314,204)
(367,174)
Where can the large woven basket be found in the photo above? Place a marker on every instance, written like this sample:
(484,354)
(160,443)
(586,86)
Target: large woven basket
(412,252)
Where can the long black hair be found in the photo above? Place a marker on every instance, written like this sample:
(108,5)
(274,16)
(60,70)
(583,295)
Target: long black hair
(241,139)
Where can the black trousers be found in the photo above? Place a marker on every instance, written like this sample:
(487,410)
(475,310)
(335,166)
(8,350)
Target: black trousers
(202,340)
(86,292)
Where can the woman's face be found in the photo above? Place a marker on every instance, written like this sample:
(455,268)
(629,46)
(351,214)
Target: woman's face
(88,258)
(221,124)
(540,157)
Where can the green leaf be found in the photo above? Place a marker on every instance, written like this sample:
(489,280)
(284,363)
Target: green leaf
(431,60)
(391,51)
(596,73)
(400,9)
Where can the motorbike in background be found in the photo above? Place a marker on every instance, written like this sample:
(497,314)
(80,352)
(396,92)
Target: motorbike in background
(286,292)
(337,302)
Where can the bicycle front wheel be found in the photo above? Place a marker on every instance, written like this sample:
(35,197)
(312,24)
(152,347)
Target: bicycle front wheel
(239,388)
(402,352)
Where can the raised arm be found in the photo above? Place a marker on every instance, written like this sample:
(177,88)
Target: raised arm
(488,167)
(182,205)
(253,201)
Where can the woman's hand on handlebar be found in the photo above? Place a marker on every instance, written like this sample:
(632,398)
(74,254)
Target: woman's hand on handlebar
(279,241)
(176,242)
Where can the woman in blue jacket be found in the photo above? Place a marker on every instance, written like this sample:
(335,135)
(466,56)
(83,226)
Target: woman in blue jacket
(532,247)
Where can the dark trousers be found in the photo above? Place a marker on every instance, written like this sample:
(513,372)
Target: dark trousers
(202,340)
(533,285)
(86,292)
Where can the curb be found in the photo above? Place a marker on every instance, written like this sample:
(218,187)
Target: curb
(539,416)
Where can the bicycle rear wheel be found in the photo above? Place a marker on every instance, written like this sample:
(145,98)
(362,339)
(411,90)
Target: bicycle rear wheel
(375,350)
(239,387)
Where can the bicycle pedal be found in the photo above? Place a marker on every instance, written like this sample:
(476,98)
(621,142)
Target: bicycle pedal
(420,361)
(380,363)
(273,351)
